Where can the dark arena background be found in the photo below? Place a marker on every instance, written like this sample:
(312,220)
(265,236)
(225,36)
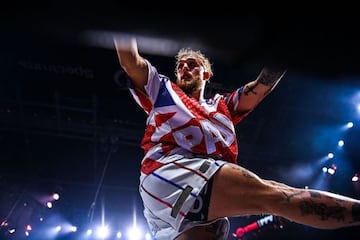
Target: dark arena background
(68,125)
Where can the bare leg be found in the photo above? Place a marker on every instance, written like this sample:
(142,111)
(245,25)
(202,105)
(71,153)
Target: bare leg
(237,191)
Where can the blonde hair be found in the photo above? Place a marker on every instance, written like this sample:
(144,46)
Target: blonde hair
(187,52)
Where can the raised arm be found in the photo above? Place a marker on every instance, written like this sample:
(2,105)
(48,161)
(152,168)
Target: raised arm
(255,91)
(130,60)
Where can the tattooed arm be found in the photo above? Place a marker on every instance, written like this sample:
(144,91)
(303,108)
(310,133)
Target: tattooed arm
(255,91)
(270,77)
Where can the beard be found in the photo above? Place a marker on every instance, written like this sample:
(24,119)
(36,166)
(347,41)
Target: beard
(189,86)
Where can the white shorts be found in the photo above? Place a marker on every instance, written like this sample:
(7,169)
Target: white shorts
(169,193)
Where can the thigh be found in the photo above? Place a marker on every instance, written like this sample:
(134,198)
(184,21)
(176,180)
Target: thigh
(238,191)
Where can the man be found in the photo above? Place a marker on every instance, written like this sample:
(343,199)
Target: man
(190,181)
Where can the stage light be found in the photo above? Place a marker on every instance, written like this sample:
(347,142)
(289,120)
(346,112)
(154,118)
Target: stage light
(102,232)
(330,155)
(333,166)
(349,124)
(331,170)
(355,178)
(49,204)
(73,228)
(88,232)
(341,143)
(56,196)
(4,223)
(134,233)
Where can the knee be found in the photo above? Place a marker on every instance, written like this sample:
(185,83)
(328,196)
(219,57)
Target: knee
(277,195)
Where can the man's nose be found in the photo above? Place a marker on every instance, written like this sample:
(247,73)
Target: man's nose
(185,66)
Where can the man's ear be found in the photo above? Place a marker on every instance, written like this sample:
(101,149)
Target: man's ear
(206,75)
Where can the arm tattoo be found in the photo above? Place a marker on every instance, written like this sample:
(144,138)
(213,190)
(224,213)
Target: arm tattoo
(325,212)
(314,194)
(269,77)
(289,197)
(356,212)
(244,172)
(309,207)
(250,89)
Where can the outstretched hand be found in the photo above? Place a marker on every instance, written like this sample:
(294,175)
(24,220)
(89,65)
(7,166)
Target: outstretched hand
(124,42)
